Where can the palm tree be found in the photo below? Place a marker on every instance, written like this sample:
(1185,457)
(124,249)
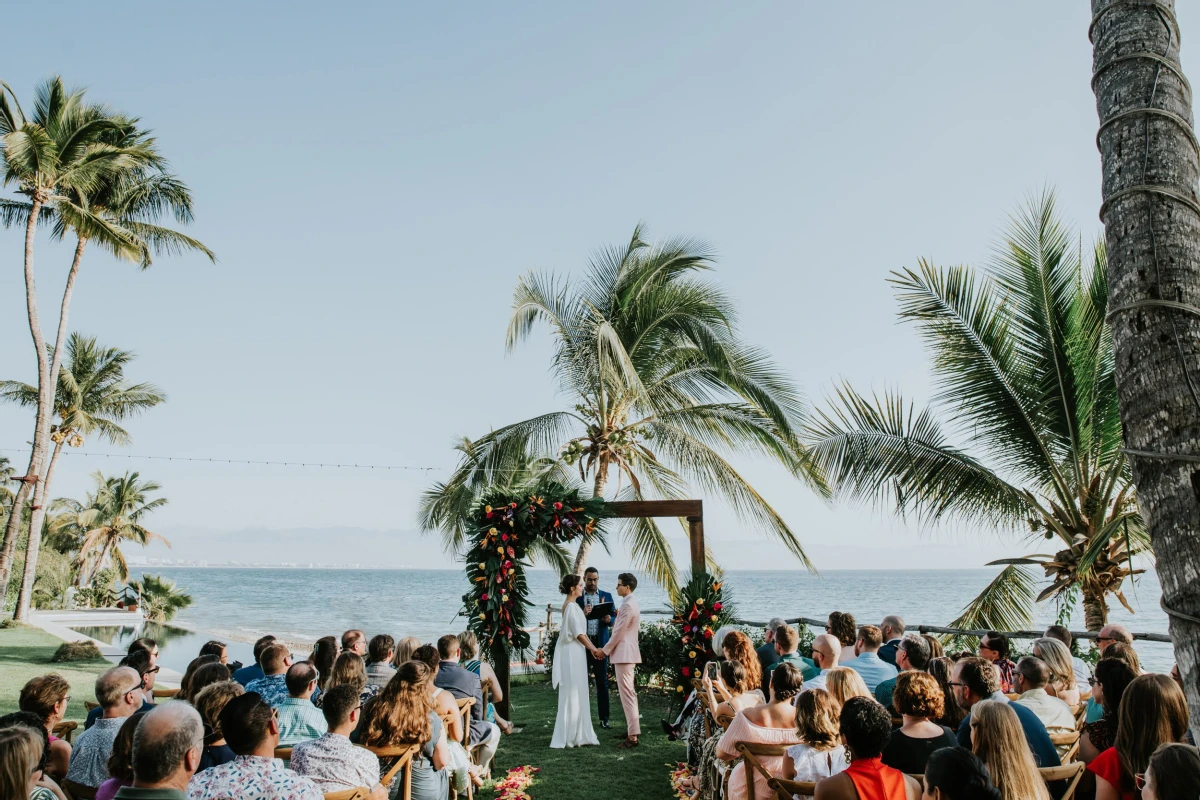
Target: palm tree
(1150,213)
(1024,362)
(660,386)
(159,598)
(111,515)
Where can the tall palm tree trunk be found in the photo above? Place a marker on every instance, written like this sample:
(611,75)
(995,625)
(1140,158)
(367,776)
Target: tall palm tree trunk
(46,393)
(12,532)
(585,546)
(1095,609)
(1151,216)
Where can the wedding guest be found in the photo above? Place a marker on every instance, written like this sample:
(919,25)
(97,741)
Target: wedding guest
(826,650)
(249,725)
(272,686)
(215,648)
(443,700)
(975,680)
(166,752)
(143,661)
(892,631)
(463,684)
(935,647)
(1112,678)
(866,728)
(324,653)
(844,683)
(955,773)
(867,663)
(404,650)
(46,788)
(146,645)
(736,646)
(767,657)
(400,714)
(209,704)
(820,753)
(999,741)
(1113,634)
(1062,672)
(254,671)
(1032,677)
(1173,773)
(772,723)
(1122,652)
(380,651)
(1153,712)
(468,645)
(120,763)
(332,761)
(994,648)
(911,655)
(841,624)
(299,720)
(1078,666)
(919,700)
(787,642)
(740,691)
(119,692)
(48,696)
(941,668)
(20,753)
(206,675)
(349,670)
(354,641)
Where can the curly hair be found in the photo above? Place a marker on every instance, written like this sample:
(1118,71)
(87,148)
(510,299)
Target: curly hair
(817,719)
(917,694)
(866,726)
(739,648)
(400,712)
(41,694)
(428,655)
(210,702)
(841,625)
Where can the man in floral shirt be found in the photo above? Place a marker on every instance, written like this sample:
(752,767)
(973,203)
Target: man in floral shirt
(332,761)
(272,686)
(252,732)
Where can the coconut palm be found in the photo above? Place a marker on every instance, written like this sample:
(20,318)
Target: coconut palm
(1024,362)
(661,389)
(159,598)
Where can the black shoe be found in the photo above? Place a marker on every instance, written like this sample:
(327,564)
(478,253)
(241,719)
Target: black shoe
(670,730)
(604,724)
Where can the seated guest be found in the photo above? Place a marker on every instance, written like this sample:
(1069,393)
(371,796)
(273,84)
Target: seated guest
(820,753)
(404,650)
(994,648)
(1113,641)
(20,753)
(47,696)
(736,646)
(941,669)
(120,763)
(1153,713)
(209,703)
(349,670)
(142,661)
(826,650)
(299,719)
(867,663)
(215,648)
(955,773)
(911,655)
(975,680)
(935,647)
(892,631)
(1033,675)
(866,728)
(185,683)
(844,683)
(119,692)
(355,641)
(166,752)
(1113,676)
(254,671)
(331,761)
(463,684)
(998,740)
(772,723)
(1062,671)
(468,645)
(767,657)
(918,698)
(1173,773)
(1079,667)
(249,725)
(787,640)
(207,675)
(841,625)
(147,645)
(462,771)
(380,651)
(44,787)
(737,690)
(400,714)
(272,686)
(324,653)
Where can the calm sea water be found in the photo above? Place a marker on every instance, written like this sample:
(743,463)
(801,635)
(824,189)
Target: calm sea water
(301,605)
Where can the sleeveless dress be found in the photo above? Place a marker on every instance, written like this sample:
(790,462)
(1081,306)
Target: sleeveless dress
(476,666)
(814,765)
(573,723)
(874,780)
(460,761)
(743,730)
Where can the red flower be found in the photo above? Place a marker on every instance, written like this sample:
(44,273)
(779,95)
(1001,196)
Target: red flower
(512,505)
(484,598)
(717,606)
(558,506)
(686,672)
(504,538)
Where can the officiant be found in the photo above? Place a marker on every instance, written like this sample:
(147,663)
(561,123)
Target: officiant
(598,630)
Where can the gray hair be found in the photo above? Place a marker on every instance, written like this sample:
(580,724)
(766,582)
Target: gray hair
(162,739)
(115,683)
(916,649)
(776,623)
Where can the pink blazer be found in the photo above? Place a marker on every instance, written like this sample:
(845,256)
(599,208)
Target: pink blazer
(622,647)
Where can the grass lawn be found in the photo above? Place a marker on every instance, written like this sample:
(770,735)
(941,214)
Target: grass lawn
(604,771)
(25,653)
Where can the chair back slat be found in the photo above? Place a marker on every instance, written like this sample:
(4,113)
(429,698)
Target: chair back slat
(164,692)
(403,753)
(751,752)
(724,720)
(787,790)
(465,704)
(359,793)
(90,704)
(65,729)
(1069,741)
(1067,772)
(283,752)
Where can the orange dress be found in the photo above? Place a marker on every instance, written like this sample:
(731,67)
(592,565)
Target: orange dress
(874,780)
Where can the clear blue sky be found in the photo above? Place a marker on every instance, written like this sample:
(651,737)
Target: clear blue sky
(374,179)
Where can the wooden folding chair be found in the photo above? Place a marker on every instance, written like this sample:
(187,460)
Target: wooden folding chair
(77,790)
(1081,716)
(724,720)
(284,753)
(464,711)
(751,753)
(1067,772)
(89,705)
(164,692)
(65,730)
(403,753)
(1069,741)
(359,793)
(787,790)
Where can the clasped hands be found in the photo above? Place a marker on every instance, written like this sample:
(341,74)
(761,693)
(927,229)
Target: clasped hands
(598,653)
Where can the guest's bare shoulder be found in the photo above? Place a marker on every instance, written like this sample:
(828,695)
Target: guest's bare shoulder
(912,787)
(838,787)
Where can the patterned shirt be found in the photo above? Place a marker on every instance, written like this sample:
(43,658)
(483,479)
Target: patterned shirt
(335,764)
(299,721)
(252,778)
(89,756)
(1006,669)
(593,625)
(272,688)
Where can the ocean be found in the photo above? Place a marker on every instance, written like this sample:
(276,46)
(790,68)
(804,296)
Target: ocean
(301,605)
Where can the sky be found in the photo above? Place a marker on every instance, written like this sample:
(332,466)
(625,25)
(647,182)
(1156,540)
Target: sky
(374,179)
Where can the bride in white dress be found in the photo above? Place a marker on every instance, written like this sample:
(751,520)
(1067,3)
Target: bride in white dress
(573,725)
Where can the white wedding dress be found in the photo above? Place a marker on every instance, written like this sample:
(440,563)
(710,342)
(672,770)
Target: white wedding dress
(573,725)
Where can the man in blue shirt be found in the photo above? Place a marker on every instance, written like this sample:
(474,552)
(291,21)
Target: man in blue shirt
(254,671)
(272,686)
(142,661)
(870,667)
(975,680)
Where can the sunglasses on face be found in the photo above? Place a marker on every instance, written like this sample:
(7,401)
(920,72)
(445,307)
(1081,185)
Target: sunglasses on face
(955,683)
(1092,680)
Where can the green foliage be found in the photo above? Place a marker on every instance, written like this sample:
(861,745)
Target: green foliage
(160,599)
(76,651)
(101,592)
(701,608)
(52,577)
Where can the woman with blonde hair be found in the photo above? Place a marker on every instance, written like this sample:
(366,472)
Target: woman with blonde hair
(1153,713)
(999,741)
(1062,671)
(401,714)
(844,683)
(820,753)
(20,752)
(349,670)
(935,646)
(405,649)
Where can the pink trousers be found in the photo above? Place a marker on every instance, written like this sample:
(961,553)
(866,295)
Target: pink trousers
(629,700)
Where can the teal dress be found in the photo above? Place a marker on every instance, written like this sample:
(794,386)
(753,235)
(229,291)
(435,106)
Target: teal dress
(474,666)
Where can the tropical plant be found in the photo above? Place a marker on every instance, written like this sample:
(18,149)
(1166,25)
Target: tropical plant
(662,387)
(1024,363)
(160,599)
(107,518)
(6,475)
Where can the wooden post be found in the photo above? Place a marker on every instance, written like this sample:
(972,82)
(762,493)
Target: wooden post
(696,538)
(691,510)
(502,664)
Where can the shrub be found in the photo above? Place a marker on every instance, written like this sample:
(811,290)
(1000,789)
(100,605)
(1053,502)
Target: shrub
(76,651)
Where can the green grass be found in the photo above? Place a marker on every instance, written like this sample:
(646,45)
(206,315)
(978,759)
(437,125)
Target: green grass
(603,772)
(26,652)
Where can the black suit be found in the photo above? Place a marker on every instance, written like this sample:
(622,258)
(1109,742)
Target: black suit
(462,683)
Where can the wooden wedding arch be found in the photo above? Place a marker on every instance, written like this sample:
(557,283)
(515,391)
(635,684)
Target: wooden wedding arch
(691,510)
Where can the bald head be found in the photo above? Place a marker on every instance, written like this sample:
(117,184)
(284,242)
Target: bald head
(892,627)
(826,650)
(119,691)
(167,746)
(1111,634)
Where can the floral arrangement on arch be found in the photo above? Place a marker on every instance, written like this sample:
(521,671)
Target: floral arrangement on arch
(506,528)
(700,610)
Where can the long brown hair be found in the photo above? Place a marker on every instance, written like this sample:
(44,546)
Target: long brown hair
(817,722)
(999,741)
(1153,712)
(400,712)
(348,670)
(324,652)
(941,669)
(739,648)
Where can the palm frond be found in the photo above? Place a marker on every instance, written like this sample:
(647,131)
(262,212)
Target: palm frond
(1005,604)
